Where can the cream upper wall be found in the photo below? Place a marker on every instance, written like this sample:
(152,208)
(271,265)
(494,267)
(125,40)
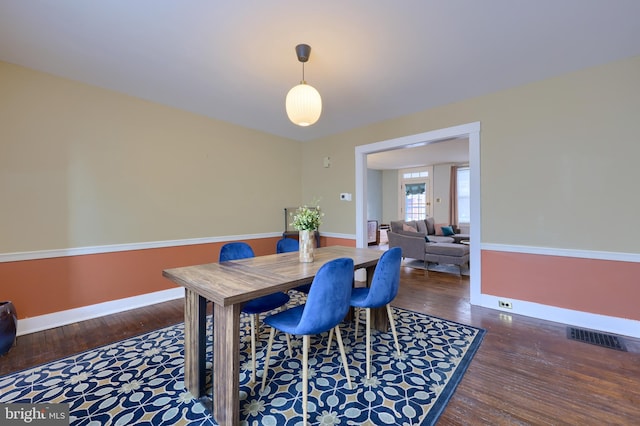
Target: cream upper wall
(83,166)
(390,188)
(326,184)
(558,160)
(441,187)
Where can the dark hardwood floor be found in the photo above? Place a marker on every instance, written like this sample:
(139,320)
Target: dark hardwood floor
(526,371)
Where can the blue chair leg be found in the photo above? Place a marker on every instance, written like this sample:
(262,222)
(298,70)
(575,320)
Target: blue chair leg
(305,366)
(368,334)
(393,328)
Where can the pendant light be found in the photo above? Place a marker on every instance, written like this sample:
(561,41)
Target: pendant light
(303,103)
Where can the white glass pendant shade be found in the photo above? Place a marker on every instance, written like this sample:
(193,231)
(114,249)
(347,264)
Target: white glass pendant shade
(304,104)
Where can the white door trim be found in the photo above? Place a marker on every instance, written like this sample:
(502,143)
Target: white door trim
(470,130)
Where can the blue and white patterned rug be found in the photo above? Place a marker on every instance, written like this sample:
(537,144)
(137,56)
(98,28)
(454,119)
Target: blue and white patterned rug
(140,380)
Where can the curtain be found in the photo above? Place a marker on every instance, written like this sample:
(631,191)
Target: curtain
(453,197)
(414,188)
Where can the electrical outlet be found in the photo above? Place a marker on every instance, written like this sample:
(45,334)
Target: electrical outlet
(504,304)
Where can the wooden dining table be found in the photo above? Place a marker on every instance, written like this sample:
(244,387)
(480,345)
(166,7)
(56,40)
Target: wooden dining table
(228,285)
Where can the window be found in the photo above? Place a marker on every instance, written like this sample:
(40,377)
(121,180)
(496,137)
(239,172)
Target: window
(415,193)
(415,202)
(415,175)
(463,192)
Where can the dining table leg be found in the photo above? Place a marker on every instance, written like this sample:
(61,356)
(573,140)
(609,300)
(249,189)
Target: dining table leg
(226,364)
(195,343)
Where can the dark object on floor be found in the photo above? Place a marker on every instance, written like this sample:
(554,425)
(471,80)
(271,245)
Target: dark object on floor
(8,326)
(595,338)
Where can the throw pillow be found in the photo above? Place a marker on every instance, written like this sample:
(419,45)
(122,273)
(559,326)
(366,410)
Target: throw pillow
(438,230)
(406,227)
(447,231)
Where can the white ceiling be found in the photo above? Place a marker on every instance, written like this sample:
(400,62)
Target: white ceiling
(447,151)
(371,60)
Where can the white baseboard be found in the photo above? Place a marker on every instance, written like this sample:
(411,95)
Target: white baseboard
(57,319)
(615,325)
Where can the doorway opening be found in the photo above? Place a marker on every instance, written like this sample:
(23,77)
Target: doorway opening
(470,131)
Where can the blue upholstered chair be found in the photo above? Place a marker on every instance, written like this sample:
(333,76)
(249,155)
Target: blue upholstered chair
(235,251)
(327,305)
(383,289)
(240,250)
(287,245)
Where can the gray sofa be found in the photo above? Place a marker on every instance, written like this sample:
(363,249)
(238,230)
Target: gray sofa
(439,249)
(426,227)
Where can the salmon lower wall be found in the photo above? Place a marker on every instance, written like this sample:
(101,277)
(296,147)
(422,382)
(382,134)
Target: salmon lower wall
(334,241)
(44,286)
(604,287)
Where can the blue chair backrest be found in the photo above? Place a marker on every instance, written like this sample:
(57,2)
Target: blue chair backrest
(386,279)
(235,251)
(286,245)
(329,298)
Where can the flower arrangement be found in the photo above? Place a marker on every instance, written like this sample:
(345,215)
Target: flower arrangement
(307,218)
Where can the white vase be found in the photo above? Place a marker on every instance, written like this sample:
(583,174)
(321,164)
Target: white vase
(307,241)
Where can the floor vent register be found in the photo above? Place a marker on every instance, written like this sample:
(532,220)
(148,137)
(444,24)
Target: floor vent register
(596,338)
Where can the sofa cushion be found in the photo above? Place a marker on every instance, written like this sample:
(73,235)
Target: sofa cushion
(441,239)
(396,225)
(431,228)
(447,249)
(422,226)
